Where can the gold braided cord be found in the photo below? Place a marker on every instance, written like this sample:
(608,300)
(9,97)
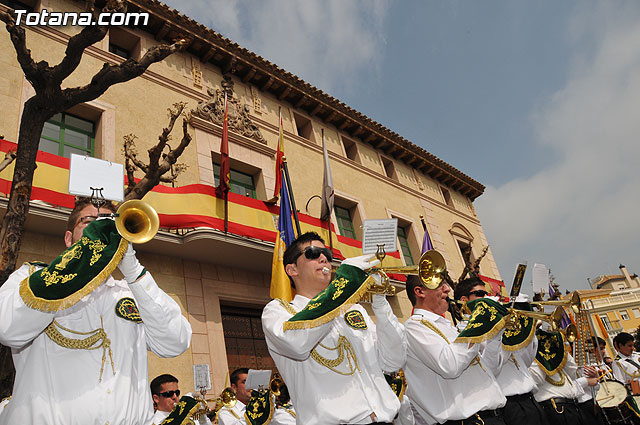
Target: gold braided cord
(232,412)
(434,328)
(96,339)
(287,306)
(515,362)
(559,382)
(42,304)
(289,411)
(632,375)
(343,347)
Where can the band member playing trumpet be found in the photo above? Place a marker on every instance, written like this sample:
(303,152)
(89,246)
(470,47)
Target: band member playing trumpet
(79,337)
(448,383)
(513,375)
(329,352)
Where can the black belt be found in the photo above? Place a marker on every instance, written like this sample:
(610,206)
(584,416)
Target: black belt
(483,414)
(520,397)
(559,400)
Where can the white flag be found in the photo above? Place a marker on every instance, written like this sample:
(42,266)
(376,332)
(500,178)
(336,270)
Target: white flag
(327,186)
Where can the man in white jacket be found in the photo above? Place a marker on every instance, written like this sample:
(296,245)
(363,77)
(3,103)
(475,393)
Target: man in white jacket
(86,363)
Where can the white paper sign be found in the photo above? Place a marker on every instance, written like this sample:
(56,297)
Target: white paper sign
(86,172)
(201,377)
(258,379)
(378,232)
(540,278)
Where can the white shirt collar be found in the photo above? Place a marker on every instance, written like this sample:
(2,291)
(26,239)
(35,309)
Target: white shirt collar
(429,315)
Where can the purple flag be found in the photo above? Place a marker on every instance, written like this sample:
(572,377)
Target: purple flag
(426,242)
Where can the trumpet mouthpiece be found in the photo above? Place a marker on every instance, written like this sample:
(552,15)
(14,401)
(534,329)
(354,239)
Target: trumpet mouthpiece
(326,270)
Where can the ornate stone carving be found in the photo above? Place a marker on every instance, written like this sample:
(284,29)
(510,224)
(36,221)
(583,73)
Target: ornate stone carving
(239,118)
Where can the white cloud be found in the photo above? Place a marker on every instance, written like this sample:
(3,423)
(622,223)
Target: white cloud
(579,215)
(325,42)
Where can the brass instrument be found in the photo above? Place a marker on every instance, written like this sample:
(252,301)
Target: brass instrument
(573,302)
(430,269)
(226,399)
(137,221)
(554,319)
(276,384)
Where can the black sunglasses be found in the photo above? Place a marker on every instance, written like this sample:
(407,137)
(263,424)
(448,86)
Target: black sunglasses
(313,252)
(169,394)
(479,293)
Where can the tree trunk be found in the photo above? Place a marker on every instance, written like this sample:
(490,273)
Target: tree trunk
(12,228)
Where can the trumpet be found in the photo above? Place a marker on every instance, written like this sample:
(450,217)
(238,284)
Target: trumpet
(136,221)
(554,319)
(574,302)
(430,269)
(226,399)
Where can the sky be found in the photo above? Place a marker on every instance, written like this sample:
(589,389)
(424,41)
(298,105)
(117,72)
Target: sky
(538,101)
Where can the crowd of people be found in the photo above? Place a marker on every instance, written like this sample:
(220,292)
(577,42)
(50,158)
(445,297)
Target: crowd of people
(79,341)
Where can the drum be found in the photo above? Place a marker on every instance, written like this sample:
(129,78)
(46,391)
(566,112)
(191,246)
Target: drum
(611,398)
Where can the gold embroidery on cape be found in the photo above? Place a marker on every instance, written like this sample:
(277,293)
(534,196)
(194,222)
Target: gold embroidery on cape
(547,354)
(339,284)
(343,346)
(54,278)
(97,336)
(311,306)
(73,253)
(96,247)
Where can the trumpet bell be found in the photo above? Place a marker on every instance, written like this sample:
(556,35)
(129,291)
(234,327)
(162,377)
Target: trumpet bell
(137,221)
(571,333)
(430,269)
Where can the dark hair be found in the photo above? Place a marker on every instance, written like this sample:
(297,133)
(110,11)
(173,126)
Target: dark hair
(621,339)
(290,254)
(600,341)
(464,287)
(235,375)
(156,384)
(413,281)
(81,203)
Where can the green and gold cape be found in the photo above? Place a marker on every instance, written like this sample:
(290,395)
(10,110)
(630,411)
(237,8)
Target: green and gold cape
(487,319)
(259,409)
(347,288)
(522,335)
(551,355)
(76,272)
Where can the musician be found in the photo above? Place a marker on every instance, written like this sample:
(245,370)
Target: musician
(165,394)
(586,402)
(61,378)
(557,390)
(627,363)
(235,415)
(330,353)
(448,383)
(284,413)
(513,373)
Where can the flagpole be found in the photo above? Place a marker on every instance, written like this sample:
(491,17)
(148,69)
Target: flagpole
(291,198)
(424,225)
(226,192)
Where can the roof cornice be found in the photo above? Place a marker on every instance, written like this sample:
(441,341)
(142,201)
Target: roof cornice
(167,24)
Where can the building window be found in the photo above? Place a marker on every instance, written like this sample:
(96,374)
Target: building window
(404,245)
(241,183)
(636,312)
(124,44)
(243,338)
(345,222)
(624,315)
(120,51)
(605,321)
(389,168)
(447,196)
(351,149)
(65,134)
(303,126)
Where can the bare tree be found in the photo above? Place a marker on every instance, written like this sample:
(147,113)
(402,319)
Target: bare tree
(471,269)
(159,163)
(8,159)
(49,99)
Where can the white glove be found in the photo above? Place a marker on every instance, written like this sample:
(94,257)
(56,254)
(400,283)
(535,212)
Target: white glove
(362,262)
(130,266)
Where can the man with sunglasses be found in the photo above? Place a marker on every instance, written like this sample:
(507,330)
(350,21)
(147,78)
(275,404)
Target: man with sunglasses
(333,366)
(87,363)
(512,372)
(165,394)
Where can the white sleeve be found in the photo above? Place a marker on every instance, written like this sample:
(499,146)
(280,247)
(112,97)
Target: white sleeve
(391,339)
(19,324)
(492,354)
(447,360)
(167,331)
(295,343)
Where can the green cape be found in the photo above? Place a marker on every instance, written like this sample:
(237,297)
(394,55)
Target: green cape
(487,319)
(551,355)
(260,407)
(76,272)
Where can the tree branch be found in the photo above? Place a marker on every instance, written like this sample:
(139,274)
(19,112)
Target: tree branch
(113,74)
(8,159)
(34,72)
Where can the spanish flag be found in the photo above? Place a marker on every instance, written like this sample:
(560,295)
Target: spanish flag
(280,284)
